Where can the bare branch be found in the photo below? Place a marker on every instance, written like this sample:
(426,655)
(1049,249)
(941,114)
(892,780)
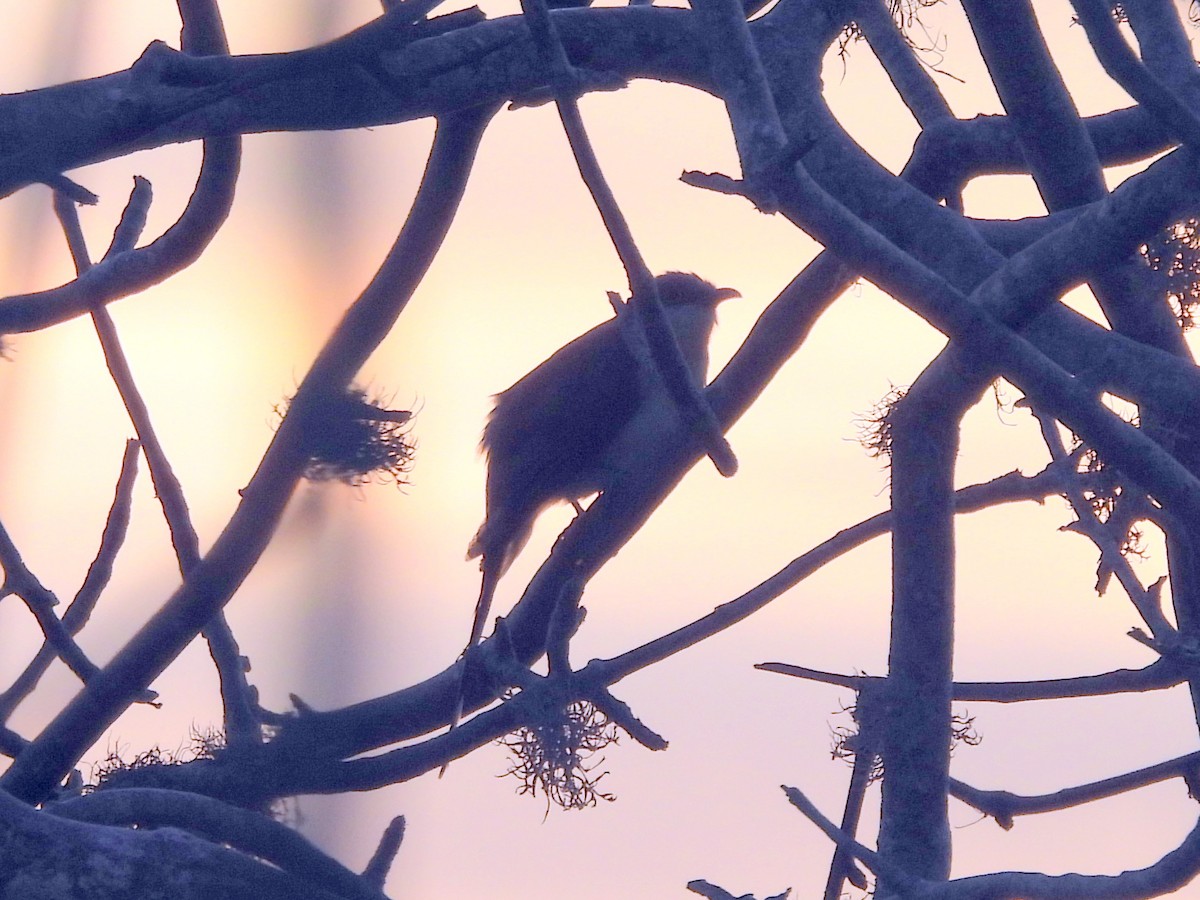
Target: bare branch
(1004,805)
(240,722)
(668,359)
(1147,603)
(1159,675)
(99,572)
(377,869)
(1119,61)
(911,80)
(19,580)
(1007,488)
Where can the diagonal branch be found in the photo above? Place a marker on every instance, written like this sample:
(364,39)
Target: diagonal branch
(80,609)
(19,580)
(1172,115)
(668,360)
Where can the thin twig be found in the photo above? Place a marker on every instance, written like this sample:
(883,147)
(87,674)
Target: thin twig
(98,574)
(841,867)
(111,540)
(240,722)
(877,864)
(1107,542)
(1159,675)
(669,362)
(1011,487)
(19,580)
(1004,805)
(177,248)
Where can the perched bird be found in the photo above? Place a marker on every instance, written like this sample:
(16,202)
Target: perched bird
(579,420)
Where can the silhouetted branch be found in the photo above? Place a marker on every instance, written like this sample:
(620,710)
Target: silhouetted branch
(910,79)
(1172,871)
(668,360)
(742,83)
(98,575)
(236,694)
(1159,675)
(128,273)
(19,580)
(898,879)
(992,345)
(1126,69)
(1004,805)
(1147,602)
(1007,488)
(377,869)
(97,862)
(841,867)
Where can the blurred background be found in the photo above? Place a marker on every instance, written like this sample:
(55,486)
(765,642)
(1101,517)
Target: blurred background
(365,590)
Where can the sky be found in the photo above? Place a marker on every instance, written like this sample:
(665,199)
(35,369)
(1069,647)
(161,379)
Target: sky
(365,590)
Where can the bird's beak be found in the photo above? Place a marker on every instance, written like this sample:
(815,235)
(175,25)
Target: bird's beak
(726,294)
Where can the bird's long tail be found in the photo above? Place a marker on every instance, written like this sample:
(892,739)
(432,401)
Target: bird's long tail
(483,606)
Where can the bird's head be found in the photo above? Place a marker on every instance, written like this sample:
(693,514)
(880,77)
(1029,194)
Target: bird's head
(686,289)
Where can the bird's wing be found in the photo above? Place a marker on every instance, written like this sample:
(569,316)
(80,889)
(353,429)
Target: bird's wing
(556,422)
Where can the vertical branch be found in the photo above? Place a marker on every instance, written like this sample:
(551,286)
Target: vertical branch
(914,830)
(203,34)
(668,360)
(841,867)
(758,131)
(1061,157)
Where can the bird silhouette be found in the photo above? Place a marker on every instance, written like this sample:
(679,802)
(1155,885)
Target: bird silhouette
(577,422)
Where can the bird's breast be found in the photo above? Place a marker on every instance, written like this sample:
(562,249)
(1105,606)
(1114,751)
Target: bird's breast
(655,423)
(656,420)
